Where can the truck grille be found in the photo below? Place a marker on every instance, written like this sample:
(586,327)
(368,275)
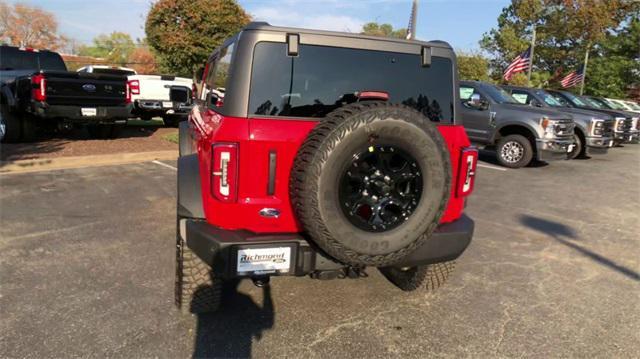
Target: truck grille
(565,128)
(623,125)
(607,129)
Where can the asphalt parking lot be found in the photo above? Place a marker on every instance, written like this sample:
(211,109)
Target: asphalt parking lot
(87,265)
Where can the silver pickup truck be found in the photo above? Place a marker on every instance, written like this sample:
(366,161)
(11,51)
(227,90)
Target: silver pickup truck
(594,130)
(492,118)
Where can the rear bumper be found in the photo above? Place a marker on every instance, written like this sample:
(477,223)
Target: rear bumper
(550,150)
(74,113)
(218,247)
(160,107)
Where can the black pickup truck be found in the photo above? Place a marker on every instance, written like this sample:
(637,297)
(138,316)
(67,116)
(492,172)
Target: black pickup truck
(37,91)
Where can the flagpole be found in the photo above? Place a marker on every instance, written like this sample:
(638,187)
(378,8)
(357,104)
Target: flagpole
(584,69)
(533,45)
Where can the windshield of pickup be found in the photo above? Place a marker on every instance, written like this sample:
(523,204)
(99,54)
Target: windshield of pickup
(575,100)
(548,98)
(499,95)
(12,58)
(594,103)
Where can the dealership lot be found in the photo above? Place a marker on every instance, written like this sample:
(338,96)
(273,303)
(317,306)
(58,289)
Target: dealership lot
(87,262)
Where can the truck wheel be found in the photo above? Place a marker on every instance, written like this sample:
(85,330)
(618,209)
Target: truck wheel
(371,182)
(578,149)
(12,127)
(171,120)
(514,151)
(196,288)
(429,277)
(28,130)
(101,132)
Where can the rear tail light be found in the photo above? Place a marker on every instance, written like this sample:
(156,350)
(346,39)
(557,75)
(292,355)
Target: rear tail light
(39,87)
(467,172)
(224,174)
(127,91)
(134,87)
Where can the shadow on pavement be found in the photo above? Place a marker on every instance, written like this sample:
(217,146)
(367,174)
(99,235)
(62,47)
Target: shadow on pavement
(557,231)
(229,332)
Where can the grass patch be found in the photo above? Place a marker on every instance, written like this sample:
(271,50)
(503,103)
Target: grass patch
(171,137)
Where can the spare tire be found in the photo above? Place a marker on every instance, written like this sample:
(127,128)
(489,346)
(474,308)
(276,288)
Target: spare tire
(370,183)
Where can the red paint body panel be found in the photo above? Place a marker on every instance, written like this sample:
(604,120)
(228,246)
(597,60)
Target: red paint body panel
(255,138)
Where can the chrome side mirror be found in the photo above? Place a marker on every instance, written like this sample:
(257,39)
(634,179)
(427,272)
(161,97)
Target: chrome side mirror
(475,100)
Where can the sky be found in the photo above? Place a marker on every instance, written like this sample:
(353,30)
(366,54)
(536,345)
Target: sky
(459,22)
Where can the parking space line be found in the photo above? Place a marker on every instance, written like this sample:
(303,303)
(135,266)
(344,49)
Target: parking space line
(164,165)
(492,167)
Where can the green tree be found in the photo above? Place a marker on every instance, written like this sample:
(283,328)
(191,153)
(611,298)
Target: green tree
(564,31)
(183,33)
(386,30)
(115,47)
(472,66)
(615,63)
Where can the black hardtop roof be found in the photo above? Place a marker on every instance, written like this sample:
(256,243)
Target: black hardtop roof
(264,26)
(24,48)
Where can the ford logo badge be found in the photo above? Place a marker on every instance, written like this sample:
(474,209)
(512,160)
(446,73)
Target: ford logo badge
(89,87)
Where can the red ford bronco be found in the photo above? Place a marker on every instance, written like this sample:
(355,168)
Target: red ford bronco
(327,153)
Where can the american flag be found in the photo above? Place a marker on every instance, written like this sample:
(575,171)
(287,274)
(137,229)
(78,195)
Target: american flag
(573,78)
(519,64)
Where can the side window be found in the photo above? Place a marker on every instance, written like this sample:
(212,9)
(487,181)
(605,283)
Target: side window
(521,97)
(465,93)
(216,78)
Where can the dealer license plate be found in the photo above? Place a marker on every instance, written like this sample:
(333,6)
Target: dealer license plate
(89,111)
(167,104)
(264,260)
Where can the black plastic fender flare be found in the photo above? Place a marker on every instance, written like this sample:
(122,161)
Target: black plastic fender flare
(189,190)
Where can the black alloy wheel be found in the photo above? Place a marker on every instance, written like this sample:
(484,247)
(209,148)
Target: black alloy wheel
(381,188)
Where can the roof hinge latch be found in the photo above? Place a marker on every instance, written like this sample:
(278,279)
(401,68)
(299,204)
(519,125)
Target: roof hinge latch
(293,44)
(426,56)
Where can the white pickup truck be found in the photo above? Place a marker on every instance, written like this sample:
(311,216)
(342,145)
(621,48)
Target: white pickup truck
(163,96)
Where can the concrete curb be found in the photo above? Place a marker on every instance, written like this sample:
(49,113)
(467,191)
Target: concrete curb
(60,163)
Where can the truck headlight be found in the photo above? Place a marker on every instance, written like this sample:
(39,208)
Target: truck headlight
(596,127)
(619,124)
(552,127)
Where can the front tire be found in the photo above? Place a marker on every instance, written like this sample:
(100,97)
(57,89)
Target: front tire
(429,277)
(172,120)
(12,125)
(514,151)
(578,149)
(105,131)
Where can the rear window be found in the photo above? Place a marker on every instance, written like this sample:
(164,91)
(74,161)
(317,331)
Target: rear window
(321,79)
(12,58)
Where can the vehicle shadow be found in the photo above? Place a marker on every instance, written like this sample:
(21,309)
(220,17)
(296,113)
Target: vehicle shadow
(229,333)
(26,151)
(52,142)
(565,235)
